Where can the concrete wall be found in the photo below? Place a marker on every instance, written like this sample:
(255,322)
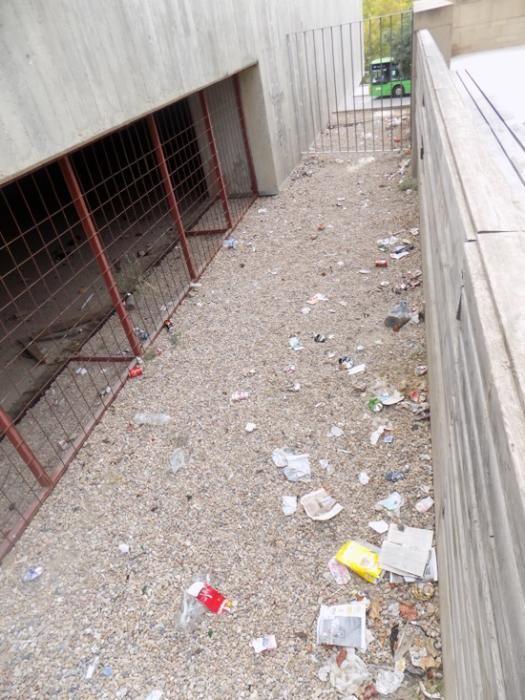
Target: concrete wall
(73,70)
(480,25)
(466,26)
(473,235)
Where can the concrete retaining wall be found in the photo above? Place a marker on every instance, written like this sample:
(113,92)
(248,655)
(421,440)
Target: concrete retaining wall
(473,235)
(467,26)
(73,70)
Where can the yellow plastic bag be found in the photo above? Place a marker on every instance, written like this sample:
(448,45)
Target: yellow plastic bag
(360,560)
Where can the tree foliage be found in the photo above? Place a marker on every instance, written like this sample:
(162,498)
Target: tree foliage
(387,31)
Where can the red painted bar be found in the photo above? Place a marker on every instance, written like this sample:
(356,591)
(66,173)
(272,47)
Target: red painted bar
(215,156)
(7,426)
(170,194)
(98,251)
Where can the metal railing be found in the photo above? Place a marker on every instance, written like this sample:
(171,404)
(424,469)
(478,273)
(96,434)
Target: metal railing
(351,85)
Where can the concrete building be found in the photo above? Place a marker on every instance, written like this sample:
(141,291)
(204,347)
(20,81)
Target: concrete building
(74,71)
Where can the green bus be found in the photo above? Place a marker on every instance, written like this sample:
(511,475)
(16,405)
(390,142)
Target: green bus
(386,80)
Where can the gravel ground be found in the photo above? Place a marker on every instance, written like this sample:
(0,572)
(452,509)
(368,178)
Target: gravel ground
(221,512)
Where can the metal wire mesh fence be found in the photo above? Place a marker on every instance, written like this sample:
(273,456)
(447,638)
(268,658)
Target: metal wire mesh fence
(351,85)
(96,251)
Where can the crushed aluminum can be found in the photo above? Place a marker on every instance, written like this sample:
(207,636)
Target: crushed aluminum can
(135,372)
(381,263)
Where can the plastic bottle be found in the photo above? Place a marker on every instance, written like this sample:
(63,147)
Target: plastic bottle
(147,418)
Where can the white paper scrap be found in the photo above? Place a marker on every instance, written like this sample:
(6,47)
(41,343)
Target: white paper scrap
(379,526)
(266,643)
(320,506)
(289,504)
(343,625)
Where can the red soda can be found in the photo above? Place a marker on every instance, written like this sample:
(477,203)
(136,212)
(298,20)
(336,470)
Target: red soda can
(381,263)
(209,597)
(135,372)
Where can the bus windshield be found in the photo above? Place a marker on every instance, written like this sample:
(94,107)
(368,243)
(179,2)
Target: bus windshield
(380,72)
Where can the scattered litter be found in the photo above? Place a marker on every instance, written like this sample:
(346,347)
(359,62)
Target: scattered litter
(262,211)
(375,405)
(424,504)
(406,550)
(339,572)
(146,418)
(141,334)
(346,361)
(381,263)
(421,370)
(250,427)
(363,271)
(361,560)
(295,343)
(289,504)
(231,243)
(296,467)
(358,369)
(388,396)
(123,548)
(239,396)
(400,255)
(348,677)
(363,478)
(316,298)
(210,597)
(81,370)
(320,338)
(376,434)
(387,682)
(427,694)
(335,431)
(395,475)
(392,503)
(388,439)
(398,316)
(294,387)
(135,372)
(408,612)
(177,459)
(107,672)
(32,573)
(342,625)
(266,643)
(154,695)
(318,505)
(379,526)
(92,668)
(327,466)
(306,310)
(169,326)
(384,244)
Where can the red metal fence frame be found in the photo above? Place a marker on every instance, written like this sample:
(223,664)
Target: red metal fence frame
(46,478)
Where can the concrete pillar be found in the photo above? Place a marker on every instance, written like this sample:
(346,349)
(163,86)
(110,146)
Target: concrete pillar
(252,97)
